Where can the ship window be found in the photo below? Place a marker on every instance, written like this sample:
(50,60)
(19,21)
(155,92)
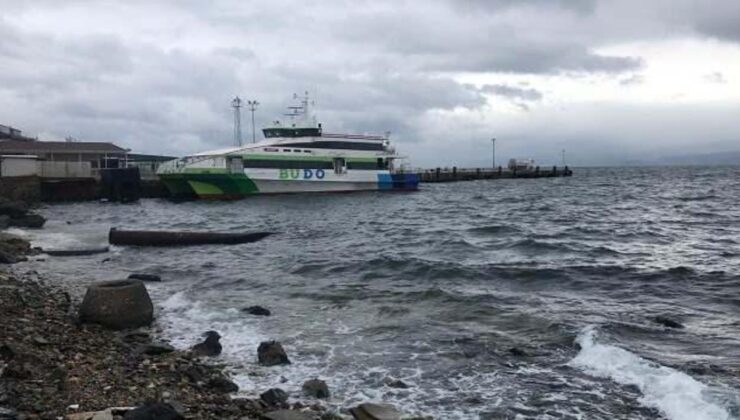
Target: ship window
(342,145)
(340,166)
(306,151)
(288,164)
(296,151)
(286,150)
(236,165)
(380,163)
(361,165)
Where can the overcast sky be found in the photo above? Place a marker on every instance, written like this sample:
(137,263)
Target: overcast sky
(608,81)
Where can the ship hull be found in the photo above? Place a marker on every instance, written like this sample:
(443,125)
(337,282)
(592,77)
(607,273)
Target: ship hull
(277,181)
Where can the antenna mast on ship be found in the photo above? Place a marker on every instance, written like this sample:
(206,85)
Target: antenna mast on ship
(237,104)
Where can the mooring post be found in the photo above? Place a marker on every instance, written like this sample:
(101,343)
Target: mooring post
(437,174)
(454,172)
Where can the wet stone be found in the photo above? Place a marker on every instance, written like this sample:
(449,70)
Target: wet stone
(7,351)
(518,352)
(290,415)
(271,353)
(372,411)
(33,221)
(257,310)
(155,349)
(667,322)
(222,384)
(395,383)
(316,388)
(159,411)
(8,413)
(210,347)
(274,396)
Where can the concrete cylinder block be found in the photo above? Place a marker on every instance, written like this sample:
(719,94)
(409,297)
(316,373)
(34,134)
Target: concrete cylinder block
(117,305)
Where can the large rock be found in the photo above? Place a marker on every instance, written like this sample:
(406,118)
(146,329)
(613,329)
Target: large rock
(372,411)
(210,347)
(154,411)
(8,258)
(316,388)
(13,208)
(91,415)
(34,221)
(290,415)
(274,396)
(221,384)
(271,353)
(118,305)
(13,248)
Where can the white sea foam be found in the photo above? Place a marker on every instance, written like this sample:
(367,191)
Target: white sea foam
(56,235)
(184,318)
(677,395)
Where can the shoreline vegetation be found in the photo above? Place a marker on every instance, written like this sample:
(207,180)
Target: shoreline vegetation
(53,366)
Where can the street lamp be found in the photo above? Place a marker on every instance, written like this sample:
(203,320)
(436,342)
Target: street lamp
(253,107)
(493,154)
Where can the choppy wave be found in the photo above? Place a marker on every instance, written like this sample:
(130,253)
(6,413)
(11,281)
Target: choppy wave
(675,394)
(472,293)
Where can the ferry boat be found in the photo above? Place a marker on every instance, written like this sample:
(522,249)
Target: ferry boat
(295,157)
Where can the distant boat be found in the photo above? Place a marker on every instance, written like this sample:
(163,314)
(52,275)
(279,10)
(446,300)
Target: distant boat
(293,158)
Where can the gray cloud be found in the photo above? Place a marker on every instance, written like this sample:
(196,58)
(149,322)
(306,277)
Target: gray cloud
(579,6)
(718,19)
(513,92)
(158,76)
(632,80)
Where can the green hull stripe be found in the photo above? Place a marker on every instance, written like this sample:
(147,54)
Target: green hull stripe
(207,184)
(205,188)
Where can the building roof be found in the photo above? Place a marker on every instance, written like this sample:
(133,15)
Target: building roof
(139,157)
(34,147)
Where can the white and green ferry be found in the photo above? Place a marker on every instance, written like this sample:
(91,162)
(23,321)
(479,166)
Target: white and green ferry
(293,158)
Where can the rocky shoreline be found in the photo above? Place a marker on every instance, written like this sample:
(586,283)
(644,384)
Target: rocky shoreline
(52,366)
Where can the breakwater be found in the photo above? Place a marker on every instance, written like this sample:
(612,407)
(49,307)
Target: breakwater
(455,174)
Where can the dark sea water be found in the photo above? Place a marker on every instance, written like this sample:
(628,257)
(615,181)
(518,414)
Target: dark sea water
(436,287)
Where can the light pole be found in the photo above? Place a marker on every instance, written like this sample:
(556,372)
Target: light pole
(253,107)
(493,154)
(237,104)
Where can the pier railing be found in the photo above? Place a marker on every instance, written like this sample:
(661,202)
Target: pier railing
(469,174)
